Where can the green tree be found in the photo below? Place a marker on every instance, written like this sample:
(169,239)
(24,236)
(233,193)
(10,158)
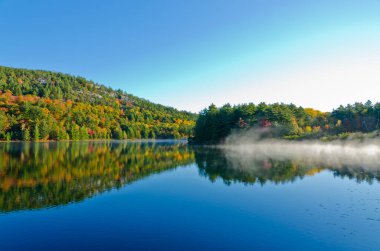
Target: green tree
(26,133)
(36,134)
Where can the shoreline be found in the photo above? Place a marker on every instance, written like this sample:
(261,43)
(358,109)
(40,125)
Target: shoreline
(96,140)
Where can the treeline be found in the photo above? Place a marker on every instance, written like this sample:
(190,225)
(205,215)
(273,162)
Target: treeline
(285,121)
(44,105)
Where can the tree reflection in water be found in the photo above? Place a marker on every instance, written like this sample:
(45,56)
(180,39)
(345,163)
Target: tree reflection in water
(36,175)
(39,175)
(231,167)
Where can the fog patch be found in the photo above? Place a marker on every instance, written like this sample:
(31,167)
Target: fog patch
(243,148)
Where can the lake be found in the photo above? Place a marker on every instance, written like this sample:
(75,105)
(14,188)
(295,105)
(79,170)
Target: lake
(171,196)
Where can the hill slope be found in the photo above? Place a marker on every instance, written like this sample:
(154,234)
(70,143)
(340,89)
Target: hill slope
(45,105)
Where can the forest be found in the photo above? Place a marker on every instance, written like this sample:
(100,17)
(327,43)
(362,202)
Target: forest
(285,121)
(43,105)
(38,105)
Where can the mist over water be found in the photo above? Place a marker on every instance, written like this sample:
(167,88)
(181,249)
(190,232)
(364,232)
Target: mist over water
(352,153)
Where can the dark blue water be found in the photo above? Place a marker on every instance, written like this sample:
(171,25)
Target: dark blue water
(117,196)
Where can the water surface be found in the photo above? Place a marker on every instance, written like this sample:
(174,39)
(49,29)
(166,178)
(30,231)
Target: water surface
(169,196)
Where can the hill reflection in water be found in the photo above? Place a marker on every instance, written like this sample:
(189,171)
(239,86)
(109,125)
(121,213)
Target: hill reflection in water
(36,175)
(39,175)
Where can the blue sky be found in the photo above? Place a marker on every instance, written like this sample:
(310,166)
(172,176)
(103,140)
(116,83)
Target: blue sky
(188,54)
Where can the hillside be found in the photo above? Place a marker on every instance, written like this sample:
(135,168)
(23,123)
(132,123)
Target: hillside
(45,105)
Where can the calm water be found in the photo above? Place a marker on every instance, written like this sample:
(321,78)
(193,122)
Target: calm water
(169,196)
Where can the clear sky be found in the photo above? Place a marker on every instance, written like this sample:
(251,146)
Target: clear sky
(188,54)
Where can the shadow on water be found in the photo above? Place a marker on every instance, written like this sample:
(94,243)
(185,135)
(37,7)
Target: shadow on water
(40,175)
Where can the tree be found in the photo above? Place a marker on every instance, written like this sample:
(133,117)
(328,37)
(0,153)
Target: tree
(36,134)
(4,123)
(25,133)
(83,133)
(117,133)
